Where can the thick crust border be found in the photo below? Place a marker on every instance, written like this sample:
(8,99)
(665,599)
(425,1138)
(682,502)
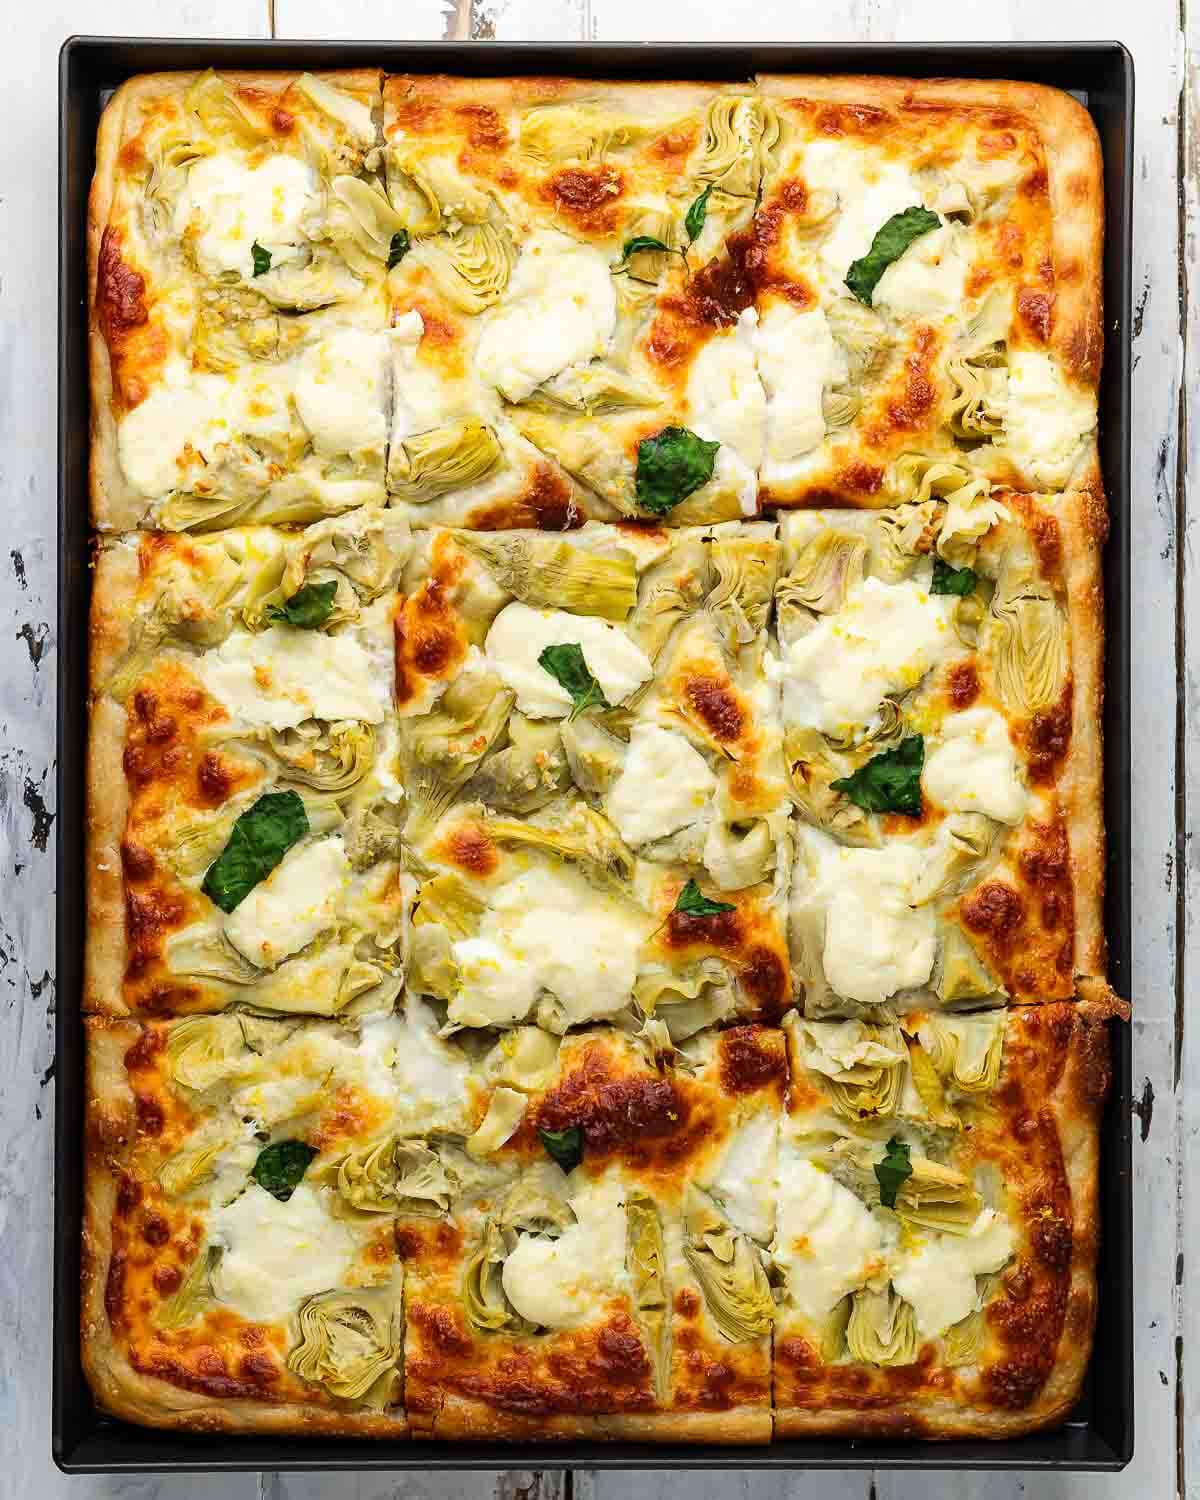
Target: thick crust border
(463,1418)
(1073,1105)
(119,1389)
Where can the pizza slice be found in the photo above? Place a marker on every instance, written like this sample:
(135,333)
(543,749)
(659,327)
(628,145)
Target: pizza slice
(561,350)
(926,259)
(608,1279)
(940,670)
(243,828)
(937,1222)
(239,234)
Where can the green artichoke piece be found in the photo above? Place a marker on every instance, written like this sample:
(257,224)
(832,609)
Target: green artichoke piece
(881,1329)
(646,1262)
(728,1268)
(546,572)
(351,1343)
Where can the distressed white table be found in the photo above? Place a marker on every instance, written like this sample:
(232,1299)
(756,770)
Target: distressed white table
(1165,709)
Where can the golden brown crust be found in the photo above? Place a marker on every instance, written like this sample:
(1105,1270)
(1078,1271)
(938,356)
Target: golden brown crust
(461,1417)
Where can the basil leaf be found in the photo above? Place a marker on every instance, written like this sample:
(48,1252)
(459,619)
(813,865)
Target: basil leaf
(641,242)
(889,782)
(692,903)
(262,259)
(670,466)
(567,666)
(280,1167)
(948,580)
(889,245)
(892,1170)
(565,1146)
(260,838)
(399,248)
(308,608)
(694,219)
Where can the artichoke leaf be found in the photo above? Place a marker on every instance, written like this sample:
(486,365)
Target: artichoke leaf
(937,1198)
(594,389)
(825,571)
(527,774)
(221,113)
(645,1260)
(673,589)
(487,1308)
(537,1203)
(578,131)
(361,223)
(439,751)
(1026,638)
(187,1169)
(594,757)
(506,1109)
(745,568)
(546,572)
(928,1084)
(432,463)
(966,1051)
(686,999)
(728,1268)
(813,764)
(351,1343)
(206,953)
(524,1057)
(576,834)
(881,1329)
(965,845)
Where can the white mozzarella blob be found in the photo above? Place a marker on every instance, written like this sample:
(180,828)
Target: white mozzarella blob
(548,932)
(520,634)
(797,359)
(973,767)
(725,395)
(1047,418)
(826,1239)
(276,1254)
(427,1079)
(227,206)
(928,280)
(559,308)
(883,640)
(876,942)
(281,676)
(339,391)
(297,900)
(421,397)
(665,784)
(869,190)
(745,1177)
(938,1277)
(562,1283)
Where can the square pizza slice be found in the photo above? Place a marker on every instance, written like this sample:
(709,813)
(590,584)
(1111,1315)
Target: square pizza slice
(608,1277)
(238,235)
(559,350)
(940,667)
(927,259)
(238,1274)
(937,1222)
(243,829)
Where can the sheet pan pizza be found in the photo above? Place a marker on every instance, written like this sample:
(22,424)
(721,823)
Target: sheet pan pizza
(595,837)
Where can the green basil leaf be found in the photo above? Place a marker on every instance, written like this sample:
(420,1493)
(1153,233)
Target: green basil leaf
(889,782)
(260,838)
(399,248)
(641,242)
(694,219)
(892,1170)
(280,1167)
(262,259)
(670,466)
(692,903)
(948,580)
(889,245)
(308,608)
(566,664)
(565,1146)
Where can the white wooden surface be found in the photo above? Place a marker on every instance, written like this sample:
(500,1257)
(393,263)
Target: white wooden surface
(1164,36)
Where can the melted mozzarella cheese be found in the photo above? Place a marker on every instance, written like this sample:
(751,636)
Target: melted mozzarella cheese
(797,359)
(276,1254)
(826,1239)
(973,767)
(297,900)
(281,676)
(559,308)
(422,398)
(520,634)
(428,1080)
(665,784)
(883,640)
(745,1177)
(547,932)
(227,206)
(178,413)
(725,394)
(928,280)
(561,1283)
(869,190)
(938,1277)
(339,391)
(876,942)
(1047,418)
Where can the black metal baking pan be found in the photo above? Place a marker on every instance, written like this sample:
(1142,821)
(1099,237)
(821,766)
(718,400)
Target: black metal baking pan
(1099,1433)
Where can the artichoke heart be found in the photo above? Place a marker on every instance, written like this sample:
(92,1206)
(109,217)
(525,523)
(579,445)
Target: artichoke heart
(584,450)
(190,1300)
(524,1057)
(554,134)
(740,133)
(351,1343)
(470,264)
(536,1203)
(686,999)
(863,336)
(1026,638)
(487,1308)
(428,191)
(361,223)
(828,567)
(881,1329)
(548,573)
(962,850)
(861,1065)
(967,1051)
(647,266)
(963,1342)
(432,463)
(304,284)
(184,1170)
(505,1111)
(593,390)
(937,1198)
(960,977)
(203,1051)
(729,1269)
(745,569)
(221,112)
(594,756)
(439,751)
(395,1176)
(646,1262)
(980,384)
(813,765)
(578,835)
(327,757)
(529,772)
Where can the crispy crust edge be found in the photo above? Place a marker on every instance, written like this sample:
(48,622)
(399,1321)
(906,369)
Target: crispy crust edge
(461,1417)
(1075,1103)
(121,1390)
